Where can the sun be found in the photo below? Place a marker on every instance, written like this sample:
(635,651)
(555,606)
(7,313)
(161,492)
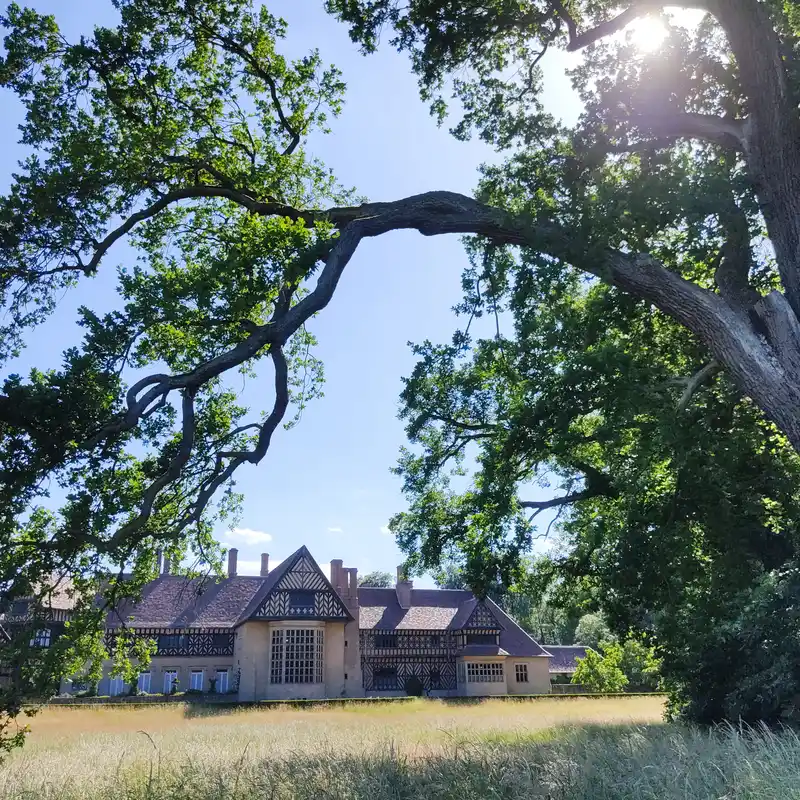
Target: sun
(647,34)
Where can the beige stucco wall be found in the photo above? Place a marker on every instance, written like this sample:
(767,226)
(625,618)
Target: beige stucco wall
(161,664)
(354,685)
(252,657)
(538,675)
(334,659)
(470,689)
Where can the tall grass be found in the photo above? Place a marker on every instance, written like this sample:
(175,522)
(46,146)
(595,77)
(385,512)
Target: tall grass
(555,749)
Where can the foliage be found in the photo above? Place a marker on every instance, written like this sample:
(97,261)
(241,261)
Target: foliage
(743,665)
(591,630)
(602,673)
(378,578)
(641,665)
(183,129)
(574,387)
(131,655)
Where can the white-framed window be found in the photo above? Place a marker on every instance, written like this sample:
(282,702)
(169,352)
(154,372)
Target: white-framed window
(41,638)
(297,655)
(170,676)
(143,684)
(196,680)
(222,681)
(521,673)
(485,672)
(116,686)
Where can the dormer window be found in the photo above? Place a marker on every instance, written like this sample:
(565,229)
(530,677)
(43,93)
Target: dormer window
(481,638)
(301,602)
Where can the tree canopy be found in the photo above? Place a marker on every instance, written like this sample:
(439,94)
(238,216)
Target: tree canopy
(378,578)
(648,257)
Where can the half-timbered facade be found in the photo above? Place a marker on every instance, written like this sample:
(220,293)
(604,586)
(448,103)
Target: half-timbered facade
(292,632)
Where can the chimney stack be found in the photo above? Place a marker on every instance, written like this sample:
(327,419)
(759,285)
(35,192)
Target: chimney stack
(232,553)
(264,565)
(403,588)
(336,574)
(166,566)
(159,560)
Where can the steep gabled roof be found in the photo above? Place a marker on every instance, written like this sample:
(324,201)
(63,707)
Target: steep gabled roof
(174,601)
(298,571)
(512,637)
(443,609)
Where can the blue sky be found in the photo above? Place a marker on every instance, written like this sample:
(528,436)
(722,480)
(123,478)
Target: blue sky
(327,483)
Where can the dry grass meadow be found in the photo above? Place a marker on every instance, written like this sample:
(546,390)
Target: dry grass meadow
(551,748)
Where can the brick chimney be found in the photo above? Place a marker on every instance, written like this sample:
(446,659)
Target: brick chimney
(232,553)
(336,575)
(264,565)
(403,588)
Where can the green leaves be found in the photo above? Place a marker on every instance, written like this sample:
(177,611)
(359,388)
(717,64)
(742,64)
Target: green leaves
(601,673)
(182,129)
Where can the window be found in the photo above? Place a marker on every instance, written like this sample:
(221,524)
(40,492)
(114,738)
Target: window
(41,638)
(276,657)
(196,680)
(435,640)
(222,681)
(491,672)
(144,682)
(301,601)
(522,673)
(170,679)
(19,608)
(116,686)
(481,638)
(384,679)
(385,640)
(220,641)
(172,641)
(435,679)
(297,655)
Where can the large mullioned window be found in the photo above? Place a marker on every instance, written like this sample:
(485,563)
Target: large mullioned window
(297,655)
(491,672)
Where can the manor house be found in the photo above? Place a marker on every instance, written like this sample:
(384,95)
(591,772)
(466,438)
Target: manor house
(292,633)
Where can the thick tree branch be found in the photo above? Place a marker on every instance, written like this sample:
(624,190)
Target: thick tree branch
(724,329)
(577,41)
(732,275)
(695,382)
(567,499)
(671,126)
